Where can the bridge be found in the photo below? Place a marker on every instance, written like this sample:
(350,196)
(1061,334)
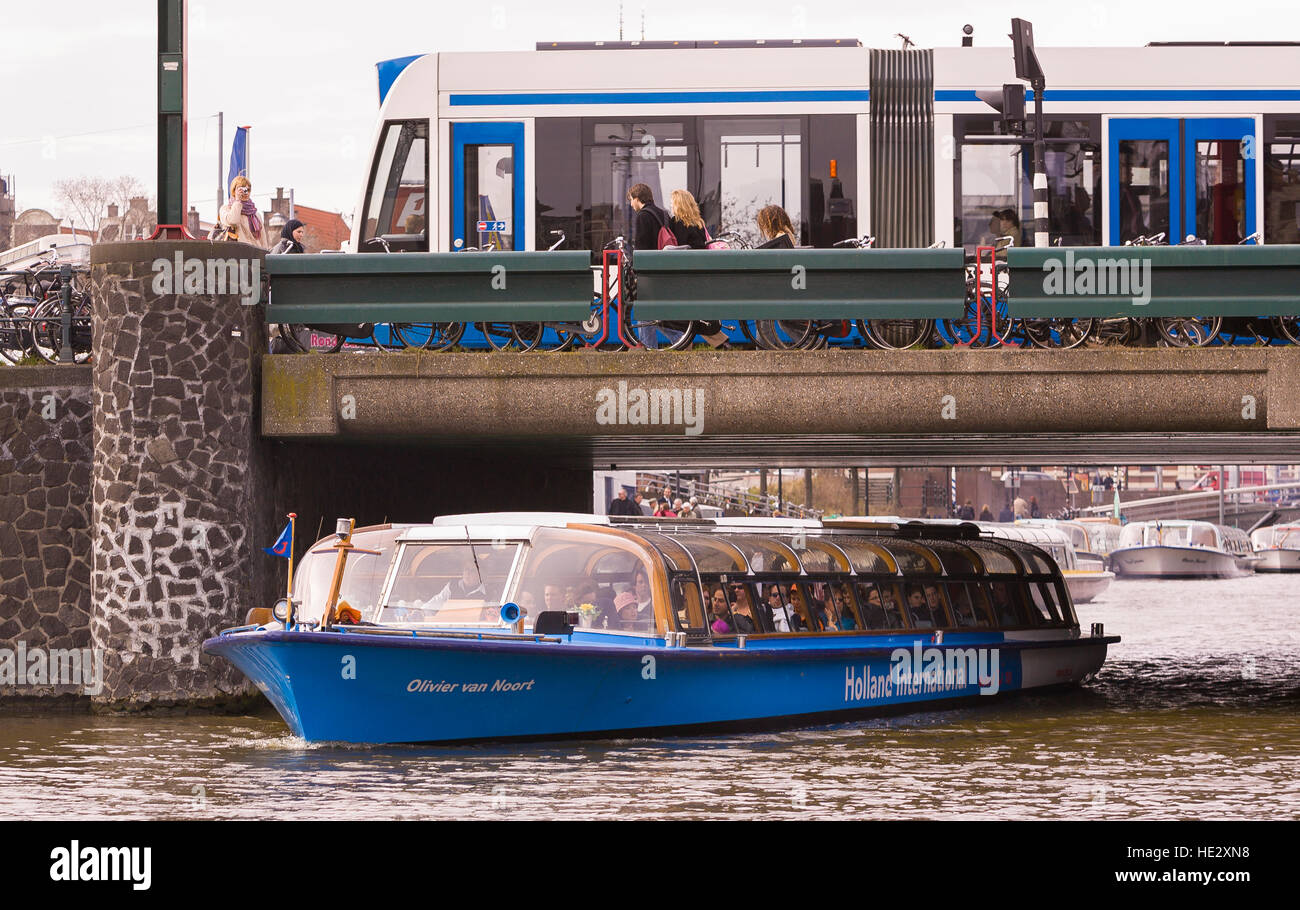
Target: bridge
(803,408)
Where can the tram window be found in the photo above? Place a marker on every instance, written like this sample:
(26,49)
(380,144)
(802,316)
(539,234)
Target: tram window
(880,609)
(1282,180)
(1220,191)
(1143,187)
(623,154)
(559,181)
(396,207)
(996,180)
(832,178)
(490,193)
(749,163)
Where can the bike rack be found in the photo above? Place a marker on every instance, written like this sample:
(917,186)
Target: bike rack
(618,257)
(993,298)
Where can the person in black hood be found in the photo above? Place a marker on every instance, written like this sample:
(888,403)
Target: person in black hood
(291,237)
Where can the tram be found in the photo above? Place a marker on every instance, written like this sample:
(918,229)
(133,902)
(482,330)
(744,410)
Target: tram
(507,625)
(506,148)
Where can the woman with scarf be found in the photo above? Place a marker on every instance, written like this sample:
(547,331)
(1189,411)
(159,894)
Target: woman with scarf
(239,216)
(291,238)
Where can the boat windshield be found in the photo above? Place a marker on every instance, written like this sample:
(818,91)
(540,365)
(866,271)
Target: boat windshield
(449,582)
(1153,535)
(363,573)
(1277,537)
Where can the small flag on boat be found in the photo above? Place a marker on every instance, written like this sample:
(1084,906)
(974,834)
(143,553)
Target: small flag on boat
(282,546)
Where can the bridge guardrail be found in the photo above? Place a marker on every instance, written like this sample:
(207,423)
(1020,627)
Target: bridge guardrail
(430,287)
(800,284)
(1143,281)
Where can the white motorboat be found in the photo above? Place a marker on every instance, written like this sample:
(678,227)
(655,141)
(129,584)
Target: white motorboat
(1085,578)
(1278,548)
(1182,549)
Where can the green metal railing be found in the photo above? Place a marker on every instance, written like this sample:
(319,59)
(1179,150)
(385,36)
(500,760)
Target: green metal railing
(800,284)
(1141,281)
(430,287)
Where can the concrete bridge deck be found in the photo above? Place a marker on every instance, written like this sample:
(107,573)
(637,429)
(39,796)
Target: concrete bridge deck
(805,408)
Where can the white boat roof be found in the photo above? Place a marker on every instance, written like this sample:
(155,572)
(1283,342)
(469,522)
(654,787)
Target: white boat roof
(536,519)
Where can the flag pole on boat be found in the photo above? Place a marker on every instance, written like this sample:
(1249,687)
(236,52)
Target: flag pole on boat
(293,521)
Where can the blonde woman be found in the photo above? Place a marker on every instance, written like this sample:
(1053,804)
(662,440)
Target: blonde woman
(685,221)
(774,224)
(239,216)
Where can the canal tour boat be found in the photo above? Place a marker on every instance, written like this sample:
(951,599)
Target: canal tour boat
(1278,548)
(1085,558)
(1182,549)
(524,625)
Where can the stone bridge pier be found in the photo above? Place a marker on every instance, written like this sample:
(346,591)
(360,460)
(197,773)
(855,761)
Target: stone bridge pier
(187,490)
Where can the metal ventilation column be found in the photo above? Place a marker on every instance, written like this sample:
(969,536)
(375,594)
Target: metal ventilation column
(902,148)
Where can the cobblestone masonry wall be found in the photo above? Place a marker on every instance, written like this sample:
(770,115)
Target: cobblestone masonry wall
(45,463)
(178,464)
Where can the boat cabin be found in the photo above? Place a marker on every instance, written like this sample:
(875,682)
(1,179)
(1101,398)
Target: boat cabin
(1276,537)
(709,580)
(1179,533)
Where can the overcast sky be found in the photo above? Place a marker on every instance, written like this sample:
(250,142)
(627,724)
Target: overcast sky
(80,98)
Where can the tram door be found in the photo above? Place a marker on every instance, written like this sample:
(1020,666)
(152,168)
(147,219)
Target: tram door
(1182,176)
(487,186)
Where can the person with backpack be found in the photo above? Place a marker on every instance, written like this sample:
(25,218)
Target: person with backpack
(650,231)
(686,223)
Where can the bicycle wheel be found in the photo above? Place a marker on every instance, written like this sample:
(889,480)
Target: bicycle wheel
(896,334)
(429,336)
(783,334)
(528,335)
(1188,331)
(1057,333)
(500,335)
(45,329)
(387,338)
(675,336)
(1288,327)
(968,331)
(14,342)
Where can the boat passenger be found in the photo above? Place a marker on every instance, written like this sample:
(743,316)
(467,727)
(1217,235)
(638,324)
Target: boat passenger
(469,586)
(553,597)
(917,608)
(718,606)
(779,610)
(742,615)
(800,618)
(934,600)
(774,224)
(1003,607)
(840,598)
(625,606)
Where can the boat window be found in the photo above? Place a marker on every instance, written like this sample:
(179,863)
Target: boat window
(363,574)
(1007,604)
(1035,562)
(914,559)
(841,611)
(672,551)
(817,555)
(566,568)
(713,555)
(867,557)
(996,558)
(1045,608)
(924,605)
(880,606)
(732,610)
(962,599)
(1059,599)
(956,559)
(448,582)
(765,554)
(1202,536)
(822,612)
(687,604)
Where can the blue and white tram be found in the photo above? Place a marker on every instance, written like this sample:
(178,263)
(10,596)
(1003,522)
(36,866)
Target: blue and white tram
(504,148)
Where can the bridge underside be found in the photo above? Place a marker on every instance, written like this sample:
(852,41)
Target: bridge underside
(802,409)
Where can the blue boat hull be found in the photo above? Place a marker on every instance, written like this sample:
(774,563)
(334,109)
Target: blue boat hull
(368,688)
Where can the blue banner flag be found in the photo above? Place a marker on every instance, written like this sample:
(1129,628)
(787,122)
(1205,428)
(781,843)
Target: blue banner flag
(238,155)
(281,545)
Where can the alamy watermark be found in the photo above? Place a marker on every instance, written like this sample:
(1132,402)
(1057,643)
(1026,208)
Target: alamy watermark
(638,407)
(24,666)
(1085,275)
(184,275)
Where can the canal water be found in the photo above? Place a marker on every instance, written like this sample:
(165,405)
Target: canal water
(1196,714)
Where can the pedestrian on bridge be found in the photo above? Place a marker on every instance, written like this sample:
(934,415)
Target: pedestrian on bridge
(239,217)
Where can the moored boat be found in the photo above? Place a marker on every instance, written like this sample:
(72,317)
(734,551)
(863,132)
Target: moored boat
(527,625)
(1278,548)
(1182,549)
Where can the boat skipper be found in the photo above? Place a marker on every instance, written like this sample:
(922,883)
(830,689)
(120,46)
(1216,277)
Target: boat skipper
(469,586)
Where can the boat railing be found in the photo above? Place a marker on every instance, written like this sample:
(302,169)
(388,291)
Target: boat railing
(444,633)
